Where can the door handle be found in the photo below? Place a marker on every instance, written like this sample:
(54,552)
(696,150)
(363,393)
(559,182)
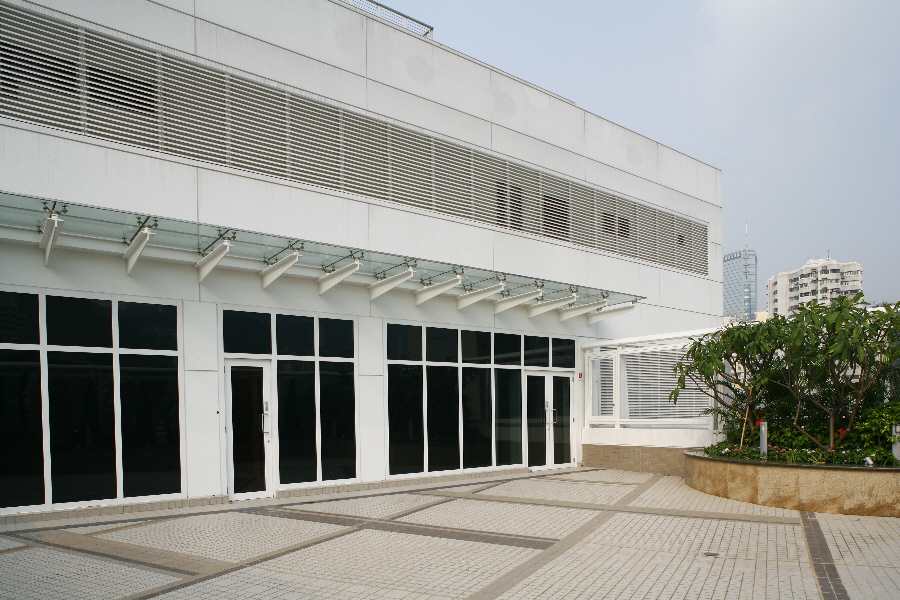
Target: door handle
(263,426)
(554,416)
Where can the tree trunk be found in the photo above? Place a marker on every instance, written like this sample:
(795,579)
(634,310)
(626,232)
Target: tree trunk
(831,431)
(744,428)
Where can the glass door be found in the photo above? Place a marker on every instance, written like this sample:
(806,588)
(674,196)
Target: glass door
(249,429)
(548,412)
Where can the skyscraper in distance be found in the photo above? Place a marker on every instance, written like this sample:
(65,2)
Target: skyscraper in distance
(740,284)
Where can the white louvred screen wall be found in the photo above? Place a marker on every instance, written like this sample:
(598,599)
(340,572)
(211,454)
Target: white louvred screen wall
(602,392)
(57,74)
(649,378)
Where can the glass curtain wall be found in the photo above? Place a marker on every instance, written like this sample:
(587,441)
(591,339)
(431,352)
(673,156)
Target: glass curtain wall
(315,377)
(98,357)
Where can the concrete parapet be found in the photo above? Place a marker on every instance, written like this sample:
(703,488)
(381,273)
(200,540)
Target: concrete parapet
(643,459)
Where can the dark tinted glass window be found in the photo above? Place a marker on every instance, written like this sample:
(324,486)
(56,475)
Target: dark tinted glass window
(336,338)
(404,342)
(147,326)
(296,420)
(508,395)
(295,335)
(246,332)
(79,322)
(18,318)
(406,430)
(82,426)
(537,351)
(477,421)
(507,349)
(21,434)
(151,442)
(476,346)
(563,354)
(337,401)
(441,345)
(248,443)
(443,418)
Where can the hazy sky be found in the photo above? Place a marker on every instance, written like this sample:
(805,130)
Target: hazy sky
(797,102)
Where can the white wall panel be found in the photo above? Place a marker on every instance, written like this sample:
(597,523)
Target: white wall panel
(147,20)
(201,337)
(371,346)
(659,438)
(324,31)
(274,62)
(520,107)
(372,429)
(203,426)
(433,116)
(418,67)
(532,258)
(618,147)
(537,152)
(47,166)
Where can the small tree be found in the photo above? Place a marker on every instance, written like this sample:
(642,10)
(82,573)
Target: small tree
(733,366)
(833,354)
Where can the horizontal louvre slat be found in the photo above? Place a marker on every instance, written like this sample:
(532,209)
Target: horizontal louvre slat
(649,380)
(59,75)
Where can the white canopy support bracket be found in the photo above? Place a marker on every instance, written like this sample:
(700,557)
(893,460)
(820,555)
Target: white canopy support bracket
(606,313)
(326,282)
(48,237)
(511,301)
(548,305)
(206,264)
(136,247)
(470,298)
(387,284)
(435,289)
(569,313)
(276,270)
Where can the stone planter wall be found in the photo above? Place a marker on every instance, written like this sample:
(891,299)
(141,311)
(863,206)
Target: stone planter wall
(815,488)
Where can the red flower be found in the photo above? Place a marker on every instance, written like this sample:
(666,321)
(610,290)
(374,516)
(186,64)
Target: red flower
(758,421)
(842,431)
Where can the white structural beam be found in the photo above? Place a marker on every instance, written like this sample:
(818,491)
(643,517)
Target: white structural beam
(470,298)
(206,264)
(548,305)
(326,282)
(570,313)
(435,289)
(276,270)
(385,285)
(136,247)
(511,301)
(606,313)
(48,237)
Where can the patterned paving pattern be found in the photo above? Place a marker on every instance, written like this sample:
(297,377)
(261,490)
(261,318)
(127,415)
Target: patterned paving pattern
(670,492)
(41,574)
(647,556)
(231,537)
(561,491)
(372,507)
(504,517)
(6,543)
(866,553)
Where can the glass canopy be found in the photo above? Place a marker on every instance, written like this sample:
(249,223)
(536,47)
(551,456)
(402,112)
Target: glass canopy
(21,212)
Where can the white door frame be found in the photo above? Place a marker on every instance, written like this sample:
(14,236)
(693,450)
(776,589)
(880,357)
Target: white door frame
(267,422)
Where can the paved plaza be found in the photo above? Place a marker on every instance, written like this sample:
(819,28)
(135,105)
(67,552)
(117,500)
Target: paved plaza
(578,533)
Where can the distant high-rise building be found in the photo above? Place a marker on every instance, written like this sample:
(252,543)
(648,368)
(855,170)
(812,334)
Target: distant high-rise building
(819,279)
(740,285)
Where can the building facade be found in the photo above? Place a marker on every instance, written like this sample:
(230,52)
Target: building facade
(247,248)
(739,273)
(820,279)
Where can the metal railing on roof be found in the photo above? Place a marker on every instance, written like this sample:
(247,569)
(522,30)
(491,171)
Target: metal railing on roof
(395,17)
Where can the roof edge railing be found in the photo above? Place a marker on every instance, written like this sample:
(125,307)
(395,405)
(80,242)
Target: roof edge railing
(393,16)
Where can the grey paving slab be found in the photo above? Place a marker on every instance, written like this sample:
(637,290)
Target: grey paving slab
(232,536)
(7,543)
(373,507)
(604,476)
(42,574)
(566,491)
(670,492)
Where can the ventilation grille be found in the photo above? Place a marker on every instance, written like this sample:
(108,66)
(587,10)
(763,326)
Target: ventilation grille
(649,379)
(56,74)
(603,400)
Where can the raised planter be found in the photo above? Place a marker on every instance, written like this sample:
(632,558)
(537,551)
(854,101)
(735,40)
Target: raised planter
(842,490)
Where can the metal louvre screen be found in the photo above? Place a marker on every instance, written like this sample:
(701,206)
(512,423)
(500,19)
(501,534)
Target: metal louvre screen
(603,395)
(64,76)
(649,379)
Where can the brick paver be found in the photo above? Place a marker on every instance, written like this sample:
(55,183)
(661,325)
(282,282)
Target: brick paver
(552,534)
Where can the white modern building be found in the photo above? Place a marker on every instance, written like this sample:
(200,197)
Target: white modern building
(252,247)
(739,274)
(820,279)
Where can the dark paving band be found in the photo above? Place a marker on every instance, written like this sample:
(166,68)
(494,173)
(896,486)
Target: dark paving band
(830,584)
